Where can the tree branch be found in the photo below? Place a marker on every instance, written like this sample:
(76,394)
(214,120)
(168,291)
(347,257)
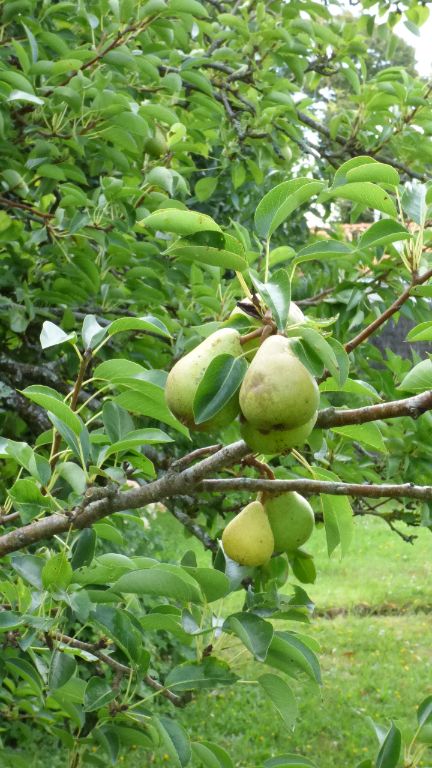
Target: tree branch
(314,487)
(409,406)
(101,502)
(117,666)
(354,151)
(391,310)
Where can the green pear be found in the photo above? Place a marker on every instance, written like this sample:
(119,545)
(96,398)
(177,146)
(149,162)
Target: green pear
(277,390)
(291,518)
(248,538)
(184,378)
(156,145)
(276,440)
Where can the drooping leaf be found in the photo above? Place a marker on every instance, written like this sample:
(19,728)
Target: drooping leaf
(276,294)
(281,696)
(219,384)
(388,756)
(255,633)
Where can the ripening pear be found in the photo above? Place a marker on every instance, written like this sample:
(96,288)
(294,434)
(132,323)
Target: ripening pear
(184,378)
(276,440)
(248,538)
(291,518)
(277,390)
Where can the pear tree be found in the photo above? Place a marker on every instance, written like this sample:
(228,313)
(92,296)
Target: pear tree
(215,240)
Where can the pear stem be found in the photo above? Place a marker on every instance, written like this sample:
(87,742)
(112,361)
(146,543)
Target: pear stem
(252,335)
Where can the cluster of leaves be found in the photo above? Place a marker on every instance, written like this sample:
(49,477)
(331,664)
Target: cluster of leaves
(155,160)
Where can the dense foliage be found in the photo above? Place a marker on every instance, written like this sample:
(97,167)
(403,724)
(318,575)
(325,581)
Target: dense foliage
(160,163)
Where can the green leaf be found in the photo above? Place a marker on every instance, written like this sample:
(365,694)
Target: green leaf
(289,654)
(155,581)
(138,438)
(338,516)
(210,247)
(83,548)
(57,573)
(147,323)
(149,400)
(281,696)
(282,200)
(352,386)
(174,739)
(29,567)
(17,95)
(380,173)
(118,625)
(62,667)
(196,676)
(92,332)
(53,403)
(382,233)
(188,6)
(9,620)
(211,755)
(28,499)
(341,177)
(421,332)
(414,202)
(218,385)
(98,694)
(255,633)
(388,756)
(324,250)
(366,194)
(369,434)
(289,761)
(276,294)
(424,711)
(303,566)
(179,222)
(214,584)
(52,335)
(419,379)
(74,475)
(204,188)
(321,347)
(21,668)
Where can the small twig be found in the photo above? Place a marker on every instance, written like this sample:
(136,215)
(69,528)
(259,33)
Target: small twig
(199,453)
(263,469)
(119,669)
(194,528)
(4,519)
(391,310)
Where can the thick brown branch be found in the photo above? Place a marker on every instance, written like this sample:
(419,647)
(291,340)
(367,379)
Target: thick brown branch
(314,487)
(192,479)
(410,406)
